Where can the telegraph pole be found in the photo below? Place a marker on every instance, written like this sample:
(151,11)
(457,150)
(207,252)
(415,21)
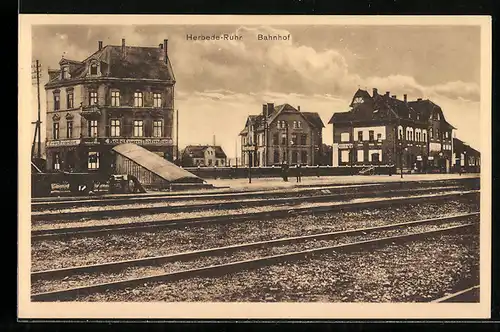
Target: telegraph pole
(36,73)
(177,136)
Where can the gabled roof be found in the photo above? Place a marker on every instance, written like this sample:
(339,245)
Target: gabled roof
(198,151)
(314,119)
(138,63)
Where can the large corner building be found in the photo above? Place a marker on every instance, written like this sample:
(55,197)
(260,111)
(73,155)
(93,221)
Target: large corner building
(383,130)
(282,134)
(119,94)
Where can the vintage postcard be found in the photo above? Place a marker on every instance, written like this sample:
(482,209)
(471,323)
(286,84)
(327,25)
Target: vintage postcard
(260,167)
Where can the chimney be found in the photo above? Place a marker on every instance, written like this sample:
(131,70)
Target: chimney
(165,48)
(387,93)
(123,47)
(419,99)
(375,91)
(161,57)
(405,96)
(100,45)
(298,108)
(214,141)
(394,96)
(264,110)
(270,108)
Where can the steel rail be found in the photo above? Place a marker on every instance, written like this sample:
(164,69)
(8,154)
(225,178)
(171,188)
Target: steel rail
(126,198)
(222,269)
(58,233)
(47,274)
(456,295)
(231,204)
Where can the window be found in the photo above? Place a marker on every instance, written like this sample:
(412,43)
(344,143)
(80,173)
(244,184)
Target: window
(299,124)
(446,134)
(344,156)
(55,130)
(65,72)
(344,137)
(438,116)
(138,102)
(276,139)
(295,157)
(371,135)
(303,139)
(294,124)
(57,103)
(115,128)
(157,128)
(276,156)
(93,160)
(431,133)
(56,163)
(437,134)
(379,137)
(424,136)
(281,124)
(138,128)
(294,139)
(93,98)
(303,157)
(361,155)
(360,136)
(400,132)
(69,129)
(358,100)
(156,99)
(93,128)
(93,69)
(283,139)
(115,98)
(209,162)
(69,99)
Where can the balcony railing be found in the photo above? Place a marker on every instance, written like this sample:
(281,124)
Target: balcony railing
(90,110)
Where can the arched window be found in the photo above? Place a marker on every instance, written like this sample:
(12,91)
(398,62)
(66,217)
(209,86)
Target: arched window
(400,132)
(424,135)
(431,133)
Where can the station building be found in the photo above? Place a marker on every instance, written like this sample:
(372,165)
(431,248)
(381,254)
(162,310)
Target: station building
(467,158)
(203,155)
(380,129)
(119,94)
(282,134)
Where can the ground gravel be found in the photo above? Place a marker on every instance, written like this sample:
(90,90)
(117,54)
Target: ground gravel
(240,255)
(52,254)
(416,271)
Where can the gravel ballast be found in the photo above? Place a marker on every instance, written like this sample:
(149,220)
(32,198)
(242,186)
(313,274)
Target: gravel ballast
(84,279)
(52,254)
(416,271)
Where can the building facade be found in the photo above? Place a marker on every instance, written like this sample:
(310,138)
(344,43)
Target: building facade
(383,130)
(119,94)
(282,134)
(467,159)
(203,155)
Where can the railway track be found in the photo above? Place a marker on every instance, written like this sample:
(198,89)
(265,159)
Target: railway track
(58,233)
(470,294)
(51,204)
(232,203)
(232,266)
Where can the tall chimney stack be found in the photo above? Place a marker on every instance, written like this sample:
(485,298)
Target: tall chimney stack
(214,141)
(100,45)
(387,93)
(165,48)
(264,110)
(270,108)
(405,96)
(161,56)
(123,47)
(375,91)
(298,108)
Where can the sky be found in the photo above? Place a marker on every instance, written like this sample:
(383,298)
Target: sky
(220,83)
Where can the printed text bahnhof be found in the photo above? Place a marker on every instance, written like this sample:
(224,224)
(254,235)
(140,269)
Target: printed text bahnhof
(227,36)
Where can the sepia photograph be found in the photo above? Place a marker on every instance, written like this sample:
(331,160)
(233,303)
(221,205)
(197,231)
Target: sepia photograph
(254,167)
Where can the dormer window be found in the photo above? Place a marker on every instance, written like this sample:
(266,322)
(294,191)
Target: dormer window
(438,117)
(65,72)
(93,69)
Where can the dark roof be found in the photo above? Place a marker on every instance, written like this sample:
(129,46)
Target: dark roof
(198,151)
(458,144)
(314,119)
(138,63)
(258,120)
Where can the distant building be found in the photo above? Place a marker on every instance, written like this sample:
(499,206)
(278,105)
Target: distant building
(383,130)
(119,94)
(203,155)
(282,134)
(466,157)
